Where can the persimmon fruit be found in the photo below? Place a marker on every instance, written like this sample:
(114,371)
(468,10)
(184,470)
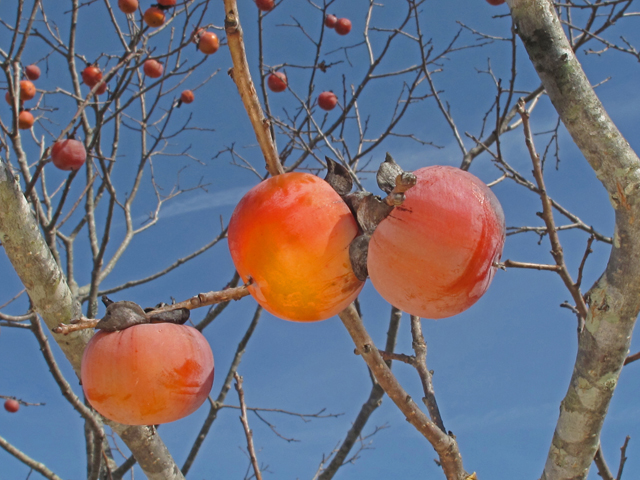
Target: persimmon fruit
(25,120)
(265,5)
(343,26)
(187,96)
(154,17)
(32,72)
(91,76)
(11,405)
(7,97)
(27,90)
(208,43)
(495,2)
(327,100)
(434,255)
(68,154)
(277,82)
(147,374)
(152,68)
(167,3)
(330,21)
(290,235)
(128,6)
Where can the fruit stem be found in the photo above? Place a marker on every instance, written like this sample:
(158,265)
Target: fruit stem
(242,78)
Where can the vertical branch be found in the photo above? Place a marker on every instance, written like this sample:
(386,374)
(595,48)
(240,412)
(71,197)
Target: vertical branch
(245,424)
(242,78)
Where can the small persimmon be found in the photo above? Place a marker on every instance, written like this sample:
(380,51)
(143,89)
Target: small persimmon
(25,120)
(343,26)
(327,100)
(68,154)
(330,21)
(167,3)
(154,17)
(265,5)
(91,76)
(32,72)
(208,43)
(11,405)
(152,68)
(277,82)
(128,6)
(187,96)
(27,90)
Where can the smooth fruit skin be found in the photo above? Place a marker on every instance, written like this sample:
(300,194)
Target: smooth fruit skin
(343,26)
(277,82)
(330,21)
(154,17)
(11,405)
(433,256)
(495,2)
(265,5)
(327,100)
(27,90)
(208,43)
(91,76)
(32,72)
(147,374)
(152,68)
(68,154)
(290,234)
(167,3)
(25,120)
(187,96)
(128,6)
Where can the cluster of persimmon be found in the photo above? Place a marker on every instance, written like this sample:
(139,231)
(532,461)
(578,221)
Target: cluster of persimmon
(301,242)
(342,26)
(27,91)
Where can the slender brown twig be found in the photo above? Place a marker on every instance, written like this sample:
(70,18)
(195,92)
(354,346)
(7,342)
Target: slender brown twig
(247,431)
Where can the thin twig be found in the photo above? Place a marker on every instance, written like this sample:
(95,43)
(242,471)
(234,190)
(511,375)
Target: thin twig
(245,423)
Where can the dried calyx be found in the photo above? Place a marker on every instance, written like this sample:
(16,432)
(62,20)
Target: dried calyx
(125,314)
(369,209)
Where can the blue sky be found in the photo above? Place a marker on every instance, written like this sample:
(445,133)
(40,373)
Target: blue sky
(501,368)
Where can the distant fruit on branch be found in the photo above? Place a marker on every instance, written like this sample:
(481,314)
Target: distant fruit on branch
(91,76)
(32,72)
(128,6)
(265,5)
(11,405)
(167,3)
(68,154)
(25,120)
(154,17)
(290,236)
(187,96)
(208,43)
(434,255)
(327,100)
(27,90)
(152,68)
(277,82)
(330,21)
(147,374)
(343,26)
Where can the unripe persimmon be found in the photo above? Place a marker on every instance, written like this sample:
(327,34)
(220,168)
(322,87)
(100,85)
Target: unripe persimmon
(25,120)
(27,90)
(434,255)
(154,17)
(128,6)
(277,82)
(91,76)
(290,235)
(327,100)
(147,374)
(152,68)
(187,96)
(32,72)
(208,43)
(68,154)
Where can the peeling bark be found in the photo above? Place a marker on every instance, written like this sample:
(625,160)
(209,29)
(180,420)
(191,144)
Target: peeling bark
(613,301)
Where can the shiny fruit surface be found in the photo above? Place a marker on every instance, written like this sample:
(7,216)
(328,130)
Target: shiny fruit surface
(27,90)
(128,6)
(290,234)
(433,256)
(187,96)
(152,68)
(327,100)
(330,21)
(154,17)
(208,43)
(68,154)
(91,76)
(11,405)
(32,72)
(25,120)
(343,26)
(265,5)
(147,374)
(277,82)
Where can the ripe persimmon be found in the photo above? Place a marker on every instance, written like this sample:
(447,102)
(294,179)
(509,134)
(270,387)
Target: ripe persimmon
(265,5)
(208,43)
(154,17)
(68,154)
(187,96)
(11,405)
(277,82)
(327,100)
(27,90)
(167,3)
(330,21)
(91,76)
(25,120)
(147,374)
(343,26)
(128,6)
(434,255)
(32,72)
(152,68)
(290,235)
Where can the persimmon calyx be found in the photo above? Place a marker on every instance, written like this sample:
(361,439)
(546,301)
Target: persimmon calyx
(338,177)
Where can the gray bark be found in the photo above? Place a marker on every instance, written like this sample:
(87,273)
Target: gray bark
(614,301)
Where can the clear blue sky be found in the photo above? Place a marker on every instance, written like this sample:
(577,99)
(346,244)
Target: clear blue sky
(501,368)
